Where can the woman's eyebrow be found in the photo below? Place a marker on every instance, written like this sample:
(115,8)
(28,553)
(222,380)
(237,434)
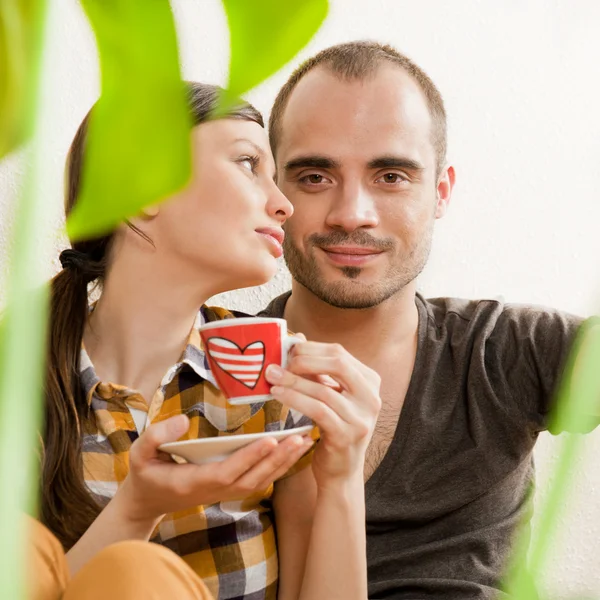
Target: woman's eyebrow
(256,147)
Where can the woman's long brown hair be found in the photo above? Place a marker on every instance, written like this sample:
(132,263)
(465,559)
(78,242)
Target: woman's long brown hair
(67,507)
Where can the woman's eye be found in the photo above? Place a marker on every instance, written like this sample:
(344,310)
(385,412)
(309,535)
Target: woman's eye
(247,164)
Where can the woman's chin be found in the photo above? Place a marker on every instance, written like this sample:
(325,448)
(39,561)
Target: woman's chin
(257,273)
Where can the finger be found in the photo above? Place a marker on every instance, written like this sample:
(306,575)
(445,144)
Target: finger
(242,460)
(335,350)
(329,422)
(329,381)
(146,446)
(191,477)
(298,453)
(344,407)
(340,368)
(279,460)
(357,383)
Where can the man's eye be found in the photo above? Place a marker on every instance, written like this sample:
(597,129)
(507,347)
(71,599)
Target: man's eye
(392,178)
(312,179)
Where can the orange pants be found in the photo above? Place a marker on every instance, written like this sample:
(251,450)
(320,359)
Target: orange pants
(129,570)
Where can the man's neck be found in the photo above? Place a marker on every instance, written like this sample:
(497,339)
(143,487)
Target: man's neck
(369,334)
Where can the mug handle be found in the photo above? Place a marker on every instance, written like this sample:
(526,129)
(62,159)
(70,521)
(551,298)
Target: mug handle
(287,343)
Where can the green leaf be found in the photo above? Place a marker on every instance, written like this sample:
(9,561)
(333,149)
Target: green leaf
(576,411)
(265,35)
(138,150)
(23,325)
(19,32)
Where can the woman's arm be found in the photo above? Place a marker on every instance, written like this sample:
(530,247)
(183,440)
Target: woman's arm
(111,526)
(155,486)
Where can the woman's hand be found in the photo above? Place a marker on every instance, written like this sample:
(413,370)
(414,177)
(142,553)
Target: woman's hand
(156,485)
(345,409)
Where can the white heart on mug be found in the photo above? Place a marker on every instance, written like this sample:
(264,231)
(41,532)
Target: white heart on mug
(243,364)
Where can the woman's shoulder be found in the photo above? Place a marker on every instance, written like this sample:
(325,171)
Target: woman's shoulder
(218,313)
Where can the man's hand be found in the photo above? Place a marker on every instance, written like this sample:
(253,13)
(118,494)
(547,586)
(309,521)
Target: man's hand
(345,409)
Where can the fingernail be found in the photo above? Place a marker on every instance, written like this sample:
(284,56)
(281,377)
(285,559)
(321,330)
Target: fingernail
(294,444)
(179,424)
(274,372)
(267,449)
(276,390)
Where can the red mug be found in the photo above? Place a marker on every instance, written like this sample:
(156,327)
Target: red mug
(240,350)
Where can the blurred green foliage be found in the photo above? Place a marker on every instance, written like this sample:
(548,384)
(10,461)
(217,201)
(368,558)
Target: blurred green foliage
(138,148)
(138,152)
(577,411)
(267,34)
(20,22)
(23,325)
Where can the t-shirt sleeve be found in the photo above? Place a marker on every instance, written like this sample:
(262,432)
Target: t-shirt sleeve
(530,347)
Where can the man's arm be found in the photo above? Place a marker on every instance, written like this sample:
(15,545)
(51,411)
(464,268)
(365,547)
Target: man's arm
(345,409)
(321,538)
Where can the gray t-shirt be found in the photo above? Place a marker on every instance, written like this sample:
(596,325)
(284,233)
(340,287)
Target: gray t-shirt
(443,504)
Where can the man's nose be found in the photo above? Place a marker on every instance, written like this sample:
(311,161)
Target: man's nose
(352,209)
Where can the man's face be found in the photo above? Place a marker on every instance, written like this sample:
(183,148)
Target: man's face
(356,160)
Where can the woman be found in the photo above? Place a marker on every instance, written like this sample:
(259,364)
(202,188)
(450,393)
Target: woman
(130,375)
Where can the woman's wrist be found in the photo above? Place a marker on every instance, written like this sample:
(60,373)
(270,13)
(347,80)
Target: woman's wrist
(127,513)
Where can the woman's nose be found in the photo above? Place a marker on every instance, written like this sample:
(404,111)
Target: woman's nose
(278,205)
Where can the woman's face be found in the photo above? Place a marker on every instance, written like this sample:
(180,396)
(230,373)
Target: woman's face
(225,226)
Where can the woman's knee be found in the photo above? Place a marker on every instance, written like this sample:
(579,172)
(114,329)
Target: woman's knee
(136,569)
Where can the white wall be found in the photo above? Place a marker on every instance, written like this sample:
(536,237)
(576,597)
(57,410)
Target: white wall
(520,82)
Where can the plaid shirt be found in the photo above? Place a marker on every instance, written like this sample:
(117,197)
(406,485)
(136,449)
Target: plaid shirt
(230,545)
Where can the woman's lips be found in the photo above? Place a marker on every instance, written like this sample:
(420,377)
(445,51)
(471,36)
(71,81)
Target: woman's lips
(274,244)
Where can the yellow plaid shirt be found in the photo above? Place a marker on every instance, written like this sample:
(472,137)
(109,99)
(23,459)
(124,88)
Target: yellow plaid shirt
(230,545)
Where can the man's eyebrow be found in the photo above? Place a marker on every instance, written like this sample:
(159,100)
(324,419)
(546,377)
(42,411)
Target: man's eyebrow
(395,162)
(311,161)
(256,147)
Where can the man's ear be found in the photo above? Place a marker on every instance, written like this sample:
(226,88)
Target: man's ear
(444,190)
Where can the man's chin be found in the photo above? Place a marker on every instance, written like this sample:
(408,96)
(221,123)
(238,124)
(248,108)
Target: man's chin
(346,294)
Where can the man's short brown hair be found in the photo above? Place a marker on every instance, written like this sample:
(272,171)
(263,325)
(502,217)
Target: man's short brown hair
(358,60)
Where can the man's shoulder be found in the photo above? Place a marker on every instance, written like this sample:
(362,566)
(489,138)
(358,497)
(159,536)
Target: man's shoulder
(276,307)
(495,316)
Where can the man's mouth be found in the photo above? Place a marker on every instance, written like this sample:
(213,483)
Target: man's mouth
(351,255)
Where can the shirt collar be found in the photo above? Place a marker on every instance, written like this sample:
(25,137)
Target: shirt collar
(193,355)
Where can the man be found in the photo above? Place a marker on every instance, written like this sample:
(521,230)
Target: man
(359,137)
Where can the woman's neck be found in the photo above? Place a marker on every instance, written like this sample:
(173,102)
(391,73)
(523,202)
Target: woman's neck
(141,323)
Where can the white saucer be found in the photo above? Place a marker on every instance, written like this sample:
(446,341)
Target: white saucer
(214,449)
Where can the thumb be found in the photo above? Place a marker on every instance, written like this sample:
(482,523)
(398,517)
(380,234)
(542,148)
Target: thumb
(169,430)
